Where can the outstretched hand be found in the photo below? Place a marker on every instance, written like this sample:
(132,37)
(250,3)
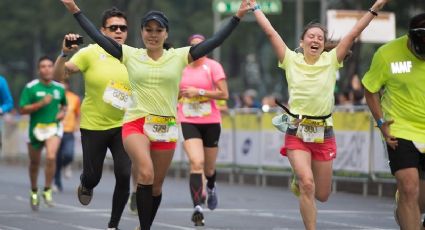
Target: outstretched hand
(245,6)
(71,6)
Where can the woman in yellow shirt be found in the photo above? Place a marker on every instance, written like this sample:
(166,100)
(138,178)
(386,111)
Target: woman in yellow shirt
(309,141)
(149,130)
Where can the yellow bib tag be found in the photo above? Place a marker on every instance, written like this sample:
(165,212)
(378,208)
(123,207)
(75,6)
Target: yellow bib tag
(196,107)
(311,131)
(161,129)
(118,95)
(43,132)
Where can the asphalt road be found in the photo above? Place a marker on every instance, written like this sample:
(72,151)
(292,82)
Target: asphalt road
(240,207)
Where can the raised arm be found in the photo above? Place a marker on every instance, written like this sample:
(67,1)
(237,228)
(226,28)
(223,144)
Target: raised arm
(277,42)
(345,44)
(218,38)
(108,44)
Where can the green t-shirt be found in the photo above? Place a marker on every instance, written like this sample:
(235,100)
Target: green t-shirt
(100,71)
(311,87)
(35,91)
(155,84)
(402,75)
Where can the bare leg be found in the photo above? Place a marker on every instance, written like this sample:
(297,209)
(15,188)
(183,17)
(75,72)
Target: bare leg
(301,164)
(408,203)
(52,146)
(34,165)
(322,172)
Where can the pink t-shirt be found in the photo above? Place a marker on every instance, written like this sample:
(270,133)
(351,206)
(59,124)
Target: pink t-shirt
(200,110)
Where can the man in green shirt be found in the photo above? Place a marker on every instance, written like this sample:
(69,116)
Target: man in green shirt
(44,100)
(398,67)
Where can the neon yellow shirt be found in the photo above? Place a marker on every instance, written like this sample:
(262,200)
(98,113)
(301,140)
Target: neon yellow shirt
(311,87)
(402,75)
(99,69)
(154,84)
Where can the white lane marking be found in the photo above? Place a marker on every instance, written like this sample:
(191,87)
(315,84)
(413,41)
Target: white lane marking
(5,227)
(259,213)
(103,213)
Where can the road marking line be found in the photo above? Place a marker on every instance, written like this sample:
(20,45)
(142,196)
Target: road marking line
(5,227)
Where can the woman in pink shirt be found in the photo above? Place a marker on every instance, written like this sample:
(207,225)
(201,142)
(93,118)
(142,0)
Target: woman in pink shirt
(202,83)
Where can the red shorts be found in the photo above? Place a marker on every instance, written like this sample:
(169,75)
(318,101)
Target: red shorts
(136,127)
(319,151)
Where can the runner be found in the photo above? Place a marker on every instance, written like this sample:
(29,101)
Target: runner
(310,141)
(6,100)
(150,131)
(203,82)
(44,100)
(106,98)
(399,68)
(71,122)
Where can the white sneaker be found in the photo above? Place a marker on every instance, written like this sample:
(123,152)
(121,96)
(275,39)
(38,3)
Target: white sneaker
(67,172)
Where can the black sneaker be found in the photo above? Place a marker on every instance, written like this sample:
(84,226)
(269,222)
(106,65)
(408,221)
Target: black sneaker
(132,203)
(198,217)
(84,195)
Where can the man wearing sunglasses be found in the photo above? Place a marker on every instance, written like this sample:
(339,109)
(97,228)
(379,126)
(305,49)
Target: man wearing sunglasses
(107,95)
(398,67)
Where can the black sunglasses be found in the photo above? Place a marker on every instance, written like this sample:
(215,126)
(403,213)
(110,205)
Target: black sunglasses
(114,28)
(419,32)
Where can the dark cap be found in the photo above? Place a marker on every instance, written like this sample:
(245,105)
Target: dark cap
(158,16)
(417,21)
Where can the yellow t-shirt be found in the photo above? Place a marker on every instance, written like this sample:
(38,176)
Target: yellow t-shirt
(154,84)
(311,87)
(99,69)
(402,75)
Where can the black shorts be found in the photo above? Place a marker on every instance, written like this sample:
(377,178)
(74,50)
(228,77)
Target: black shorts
(406,155)
(209,133)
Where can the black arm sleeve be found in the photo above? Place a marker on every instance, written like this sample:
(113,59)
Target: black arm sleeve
(108,44)
(208,45)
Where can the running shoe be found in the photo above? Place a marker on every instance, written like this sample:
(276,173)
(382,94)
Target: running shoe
(198,217)
(67,172)
(133,203)
(48,197)
(34,201)
(396,198)
(212,200)
(295,188)
(112,229)
(84,195)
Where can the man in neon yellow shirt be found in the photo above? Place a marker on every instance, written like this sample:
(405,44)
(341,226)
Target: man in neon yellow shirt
(107,96)
(399,68)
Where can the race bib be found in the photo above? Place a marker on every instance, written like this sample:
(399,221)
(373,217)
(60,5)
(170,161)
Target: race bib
(161,129)
(196,107)
(420,146)
(312,131)
(43,132)
(118,95)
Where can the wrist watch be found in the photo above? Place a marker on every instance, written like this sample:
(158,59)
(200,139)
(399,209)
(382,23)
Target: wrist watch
(380,122)
(201,92)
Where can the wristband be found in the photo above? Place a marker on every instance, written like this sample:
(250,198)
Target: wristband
(256,7)
(373,12)
(63,55)
(380,122)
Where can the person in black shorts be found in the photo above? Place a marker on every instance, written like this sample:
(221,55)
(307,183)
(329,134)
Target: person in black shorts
(203,82)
